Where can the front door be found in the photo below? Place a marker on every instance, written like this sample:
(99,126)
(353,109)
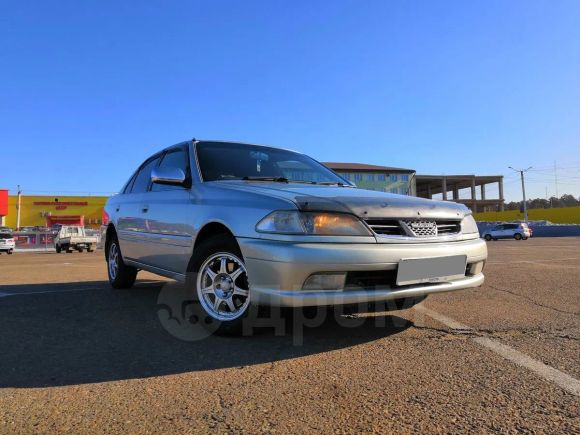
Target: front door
(168,218)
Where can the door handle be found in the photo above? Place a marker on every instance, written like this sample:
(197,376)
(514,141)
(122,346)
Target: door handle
(145,209)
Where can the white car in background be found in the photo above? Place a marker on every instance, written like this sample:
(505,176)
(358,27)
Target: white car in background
(7,243)
(516,231)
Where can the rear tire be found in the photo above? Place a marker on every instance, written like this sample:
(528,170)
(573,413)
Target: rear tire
(58,249)
(10,252)
(120,275)
(518,236)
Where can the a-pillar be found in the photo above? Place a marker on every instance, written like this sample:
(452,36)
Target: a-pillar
(444,187)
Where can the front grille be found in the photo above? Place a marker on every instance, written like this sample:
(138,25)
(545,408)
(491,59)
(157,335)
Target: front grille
(414,227)
(390,227)
(448,227)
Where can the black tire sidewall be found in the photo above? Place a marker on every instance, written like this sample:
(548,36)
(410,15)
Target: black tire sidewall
(126,275)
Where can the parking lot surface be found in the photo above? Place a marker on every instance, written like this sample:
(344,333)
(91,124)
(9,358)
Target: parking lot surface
(78,357)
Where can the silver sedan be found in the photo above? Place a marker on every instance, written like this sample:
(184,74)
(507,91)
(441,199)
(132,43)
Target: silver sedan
(248,224)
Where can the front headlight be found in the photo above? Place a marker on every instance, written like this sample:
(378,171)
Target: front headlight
(468,225)
(312,223)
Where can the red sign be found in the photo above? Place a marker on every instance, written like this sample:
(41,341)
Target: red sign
(65,220)
(3,202)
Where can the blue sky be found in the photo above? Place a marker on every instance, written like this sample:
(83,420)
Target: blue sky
(438,86)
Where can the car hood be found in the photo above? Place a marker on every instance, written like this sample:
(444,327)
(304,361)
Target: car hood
(367,204)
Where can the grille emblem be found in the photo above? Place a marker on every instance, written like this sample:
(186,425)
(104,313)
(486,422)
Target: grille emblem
(421,228)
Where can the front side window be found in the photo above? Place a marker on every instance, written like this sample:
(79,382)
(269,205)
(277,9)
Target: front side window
(143,178)
(220,161)
(177,158)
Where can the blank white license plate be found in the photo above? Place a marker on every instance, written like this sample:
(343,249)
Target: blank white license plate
(436,269)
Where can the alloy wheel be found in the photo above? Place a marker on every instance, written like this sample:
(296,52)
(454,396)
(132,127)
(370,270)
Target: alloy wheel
(222,287)
(113,261)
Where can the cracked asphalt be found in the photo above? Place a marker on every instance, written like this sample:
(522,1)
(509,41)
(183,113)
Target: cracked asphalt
(78,357)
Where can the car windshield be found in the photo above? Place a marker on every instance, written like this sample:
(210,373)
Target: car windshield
(5,236)
(230,161)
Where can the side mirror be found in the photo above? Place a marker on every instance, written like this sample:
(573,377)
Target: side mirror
(168,176)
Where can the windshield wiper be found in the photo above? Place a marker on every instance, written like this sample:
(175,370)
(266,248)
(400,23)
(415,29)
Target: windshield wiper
(331,183)
(275,179)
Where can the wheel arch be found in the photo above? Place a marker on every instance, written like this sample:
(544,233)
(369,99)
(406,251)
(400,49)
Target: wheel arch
(209,230)
(111,230)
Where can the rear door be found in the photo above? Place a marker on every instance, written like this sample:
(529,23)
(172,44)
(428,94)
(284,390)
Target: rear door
(510,230)
(169,217)
(131,224)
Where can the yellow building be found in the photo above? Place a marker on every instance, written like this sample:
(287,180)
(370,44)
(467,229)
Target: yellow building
(46,211)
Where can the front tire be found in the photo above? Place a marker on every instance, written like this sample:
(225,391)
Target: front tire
(121,276)
(219,280)
(487,237)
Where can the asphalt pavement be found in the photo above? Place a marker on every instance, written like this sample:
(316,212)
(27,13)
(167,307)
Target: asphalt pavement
(79,357)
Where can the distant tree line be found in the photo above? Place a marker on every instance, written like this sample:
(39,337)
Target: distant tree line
(564,201)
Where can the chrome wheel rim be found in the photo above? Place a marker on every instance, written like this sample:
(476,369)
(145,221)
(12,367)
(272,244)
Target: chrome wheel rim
(113,261)
(222,286)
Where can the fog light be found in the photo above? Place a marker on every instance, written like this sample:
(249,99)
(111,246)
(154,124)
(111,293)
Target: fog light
(325,281)
(476,268)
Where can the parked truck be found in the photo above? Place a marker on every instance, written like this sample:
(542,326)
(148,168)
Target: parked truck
(73,237)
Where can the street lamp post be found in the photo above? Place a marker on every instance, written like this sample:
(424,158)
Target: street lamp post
(521,171)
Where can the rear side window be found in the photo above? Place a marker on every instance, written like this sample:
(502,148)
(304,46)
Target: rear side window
(127,186)
(177,158)
(142,179)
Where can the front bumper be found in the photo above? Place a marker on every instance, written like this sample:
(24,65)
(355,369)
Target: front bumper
(277,270)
